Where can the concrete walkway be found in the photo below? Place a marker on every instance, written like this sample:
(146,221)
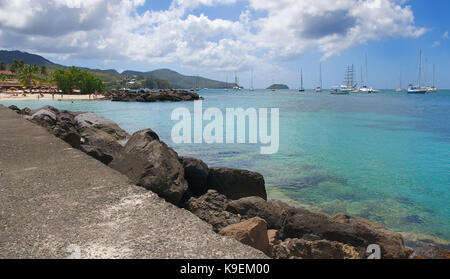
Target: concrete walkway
(54,199)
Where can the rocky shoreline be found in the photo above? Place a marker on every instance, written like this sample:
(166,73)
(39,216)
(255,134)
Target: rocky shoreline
(154,96)
(234,202)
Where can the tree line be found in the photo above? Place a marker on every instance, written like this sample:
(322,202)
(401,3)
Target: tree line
(67,80)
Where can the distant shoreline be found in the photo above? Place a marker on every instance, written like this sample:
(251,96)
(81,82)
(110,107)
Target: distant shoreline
(57,97)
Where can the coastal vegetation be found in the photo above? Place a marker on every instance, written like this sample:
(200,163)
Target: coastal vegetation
(157,79)
(73,78)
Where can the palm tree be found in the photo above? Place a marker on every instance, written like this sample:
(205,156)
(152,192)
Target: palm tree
(27,75)
(44,71)
(16,66)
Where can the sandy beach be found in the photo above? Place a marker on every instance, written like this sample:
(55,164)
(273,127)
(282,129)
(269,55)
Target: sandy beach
(20,97)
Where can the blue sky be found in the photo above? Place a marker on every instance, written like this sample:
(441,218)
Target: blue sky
(215,38)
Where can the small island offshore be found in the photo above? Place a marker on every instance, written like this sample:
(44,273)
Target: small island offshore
(278,87)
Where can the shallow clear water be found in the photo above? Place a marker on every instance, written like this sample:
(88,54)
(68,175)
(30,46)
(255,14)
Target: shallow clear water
(382,156)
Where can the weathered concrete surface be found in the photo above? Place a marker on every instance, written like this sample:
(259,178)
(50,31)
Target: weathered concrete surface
(53,196)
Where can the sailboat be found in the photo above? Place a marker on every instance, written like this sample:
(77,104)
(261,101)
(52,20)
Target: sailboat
(301,89)
(319,88)
(433,88)
(251,88)
(365,88)
(400,88)
(418,89)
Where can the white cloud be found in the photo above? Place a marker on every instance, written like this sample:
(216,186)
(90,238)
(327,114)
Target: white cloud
(113,30)
(436,44)
(445,36)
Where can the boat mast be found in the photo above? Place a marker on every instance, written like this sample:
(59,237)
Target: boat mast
(367,73)
(420,67)
(362,79)
(252,80)
(320,75)
(434,75)
(227,82)
(301,78)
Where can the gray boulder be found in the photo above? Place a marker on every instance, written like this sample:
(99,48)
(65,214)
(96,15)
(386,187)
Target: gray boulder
(236,184)
(196,173)
(150,163)
(96,126)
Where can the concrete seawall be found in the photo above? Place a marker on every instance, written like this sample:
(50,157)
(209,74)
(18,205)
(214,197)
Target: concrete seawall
(53,197)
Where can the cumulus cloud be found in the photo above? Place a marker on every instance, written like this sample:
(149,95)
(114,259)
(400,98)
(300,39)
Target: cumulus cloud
(266,30)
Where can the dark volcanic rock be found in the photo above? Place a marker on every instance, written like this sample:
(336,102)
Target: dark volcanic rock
(236,184)
(150,163)
(89,132)
(160,96)
(196,173)
(391,243)
(211,208)
(102,150)
(272,211)
(299,222)
(14,108)
(319,249)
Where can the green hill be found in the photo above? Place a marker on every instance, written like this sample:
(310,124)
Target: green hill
(113,79)
(9,56)
(178,80)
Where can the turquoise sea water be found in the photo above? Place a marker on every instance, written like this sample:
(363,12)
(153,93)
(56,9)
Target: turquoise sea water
(382,156)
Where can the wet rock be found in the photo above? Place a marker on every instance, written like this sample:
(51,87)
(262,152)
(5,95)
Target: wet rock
(391,243)
(150,163)
(196,173)
(211,208)
(252,232)
(236,184)
(320,249)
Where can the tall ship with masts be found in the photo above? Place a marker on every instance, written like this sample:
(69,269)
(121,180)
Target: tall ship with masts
(349,80)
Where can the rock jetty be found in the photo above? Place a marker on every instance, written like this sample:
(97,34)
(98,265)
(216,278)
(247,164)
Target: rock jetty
(154,96)
(234,202)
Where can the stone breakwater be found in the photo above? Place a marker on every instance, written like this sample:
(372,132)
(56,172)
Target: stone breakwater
(234,202)
(157,96)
